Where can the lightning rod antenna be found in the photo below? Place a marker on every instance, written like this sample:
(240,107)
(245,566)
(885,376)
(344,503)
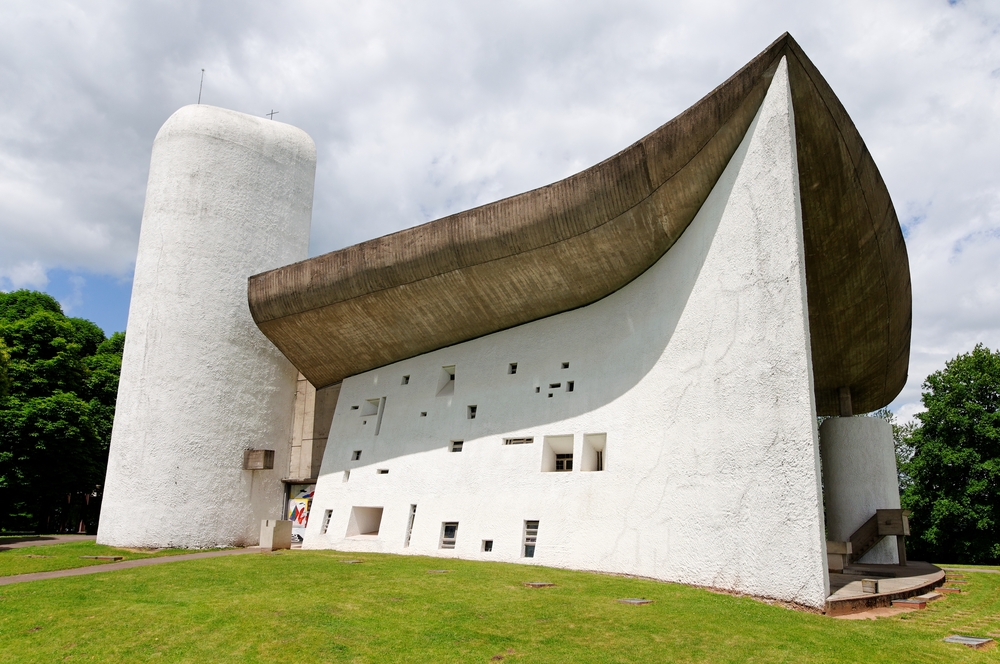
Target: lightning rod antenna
(201,85)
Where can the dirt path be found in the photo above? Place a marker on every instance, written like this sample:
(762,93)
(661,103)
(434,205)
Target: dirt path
(127,564)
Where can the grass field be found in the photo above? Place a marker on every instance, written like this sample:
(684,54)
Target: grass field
(313,607)
(50,557)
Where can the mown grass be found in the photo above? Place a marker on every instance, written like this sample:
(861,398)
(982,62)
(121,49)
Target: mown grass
(51,557)
(312,607)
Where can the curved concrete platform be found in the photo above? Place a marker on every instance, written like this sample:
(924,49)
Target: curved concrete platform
(895,582)
(576,241)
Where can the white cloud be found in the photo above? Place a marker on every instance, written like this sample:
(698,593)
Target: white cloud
(423,109)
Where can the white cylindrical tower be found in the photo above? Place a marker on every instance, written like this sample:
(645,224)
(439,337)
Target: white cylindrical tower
(229,195)
(859,477)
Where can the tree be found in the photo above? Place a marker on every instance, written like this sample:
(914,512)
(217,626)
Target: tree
(4,370)
(58,385)
(954,472)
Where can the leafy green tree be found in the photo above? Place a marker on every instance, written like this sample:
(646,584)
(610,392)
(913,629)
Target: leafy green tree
(55,413)
(954,472)
(4,370)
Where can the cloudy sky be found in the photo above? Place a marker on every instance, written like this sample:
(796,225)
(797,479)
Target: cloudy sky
(421,109)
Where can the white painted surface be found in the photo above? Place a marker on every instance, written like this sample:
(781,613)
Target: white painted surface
(859,473)
(699,374)
(229,195)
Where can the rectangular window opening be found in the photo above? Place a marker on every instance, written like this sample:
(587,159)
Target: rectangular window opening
(449,534)
(423,413)
(565,365)
(557,454)
(364,521)
(487,546)
(382,471)
(472,412)
(326,521)
(530,538)
(347,475)
(356,455)
(446,382)
(537,390)
(518,441)
(456,445)
(553,386)
(370,407)
(594,445)
(409,525)
(354,407)
(512,368)
(569,386)
(406,380)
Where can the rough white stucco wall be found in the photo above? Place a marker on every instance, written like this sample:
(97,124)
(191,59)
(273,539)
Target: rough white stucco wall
(229,195)
(699,372)
(859,476)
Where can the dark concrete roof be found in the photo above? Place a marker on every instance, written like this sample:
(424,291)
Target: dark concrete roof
(575,241)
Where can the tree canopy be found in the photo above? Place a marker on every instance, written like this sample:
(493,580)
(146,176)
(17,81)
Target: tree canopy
(58,385)
(952,480)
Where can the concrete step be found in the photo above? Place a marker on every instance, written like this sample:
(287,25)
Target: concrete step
(929,597)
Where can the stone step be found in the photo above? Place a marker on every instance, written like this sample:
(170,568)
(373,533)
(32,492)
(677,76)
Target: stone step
(929,597)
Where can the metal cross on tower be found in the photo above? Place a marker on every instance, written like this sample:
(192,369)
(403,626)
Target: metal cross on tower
(271,114)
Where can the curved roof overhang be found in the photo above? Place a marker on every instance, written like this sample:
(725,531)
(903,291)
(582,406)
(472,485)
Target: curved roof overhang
(573,242)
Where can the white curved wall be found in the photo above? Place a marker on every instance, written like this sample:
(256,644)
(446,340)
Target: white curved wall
(698,372)
(229,195)
(859,477)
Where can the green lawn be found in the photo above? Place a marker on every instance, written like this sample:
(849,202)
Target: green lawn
(50,557)
(312,607)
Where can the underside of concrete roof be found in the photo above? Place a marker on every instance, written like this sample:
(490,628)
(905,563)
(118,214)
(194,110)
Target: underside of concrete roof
(578,240)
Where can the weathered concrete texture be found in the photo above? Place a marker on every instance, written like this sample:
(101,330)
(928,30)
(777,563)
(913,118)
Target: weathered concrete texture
(311,426)
(573,242)
(859,476)
(695,380)
(228,195)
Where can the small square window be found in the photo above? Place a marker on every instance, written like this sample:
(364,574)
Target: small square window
(569,386)
(564,462)
(356,455)
(487,545)
(456,445)
(354,407)
(512,368)
(449,534)
(565,365)
(382,471)
(423,413)
(406,380)
(537,390)
(550,394)
(472,412)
